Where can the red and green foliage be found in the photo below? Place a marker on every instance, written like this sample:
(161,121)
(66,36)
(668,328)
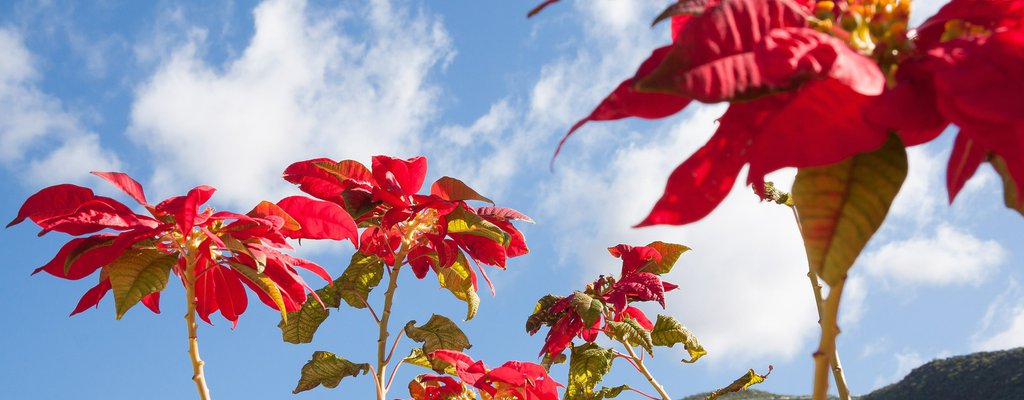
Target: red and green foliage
(222,251)
(836,89)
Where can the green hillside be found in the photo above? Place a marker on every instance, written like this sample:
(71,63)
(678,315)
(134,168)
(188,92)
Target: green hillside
(977,376)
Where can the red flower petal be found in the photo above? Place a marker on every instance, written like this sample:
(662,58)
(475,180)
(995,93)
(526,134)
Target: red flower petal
(122,181)
(53,201)
(319,220)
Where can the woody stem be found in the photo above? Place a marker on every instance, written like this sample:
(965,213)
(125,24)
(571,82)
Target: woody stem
(190,320)
(385,316)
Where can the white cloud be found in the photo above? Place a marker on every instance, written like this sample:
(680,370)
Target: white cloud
(35,128)
(922,192)
(952,256)
(309,84)
(1002,327)
(853,306)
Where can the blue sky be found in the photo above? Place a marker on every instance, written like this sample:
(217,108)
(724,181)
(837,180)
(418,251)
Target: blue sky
(228,94)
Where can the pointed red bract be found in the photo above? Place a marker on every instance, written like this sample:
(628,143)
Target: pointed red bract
(319,220)
(54,201)
(122,181)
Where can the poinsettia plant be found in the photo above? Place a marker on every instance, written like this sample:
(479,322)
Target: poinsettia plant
(214,254)
(837,89)
(437,232)
(605,307)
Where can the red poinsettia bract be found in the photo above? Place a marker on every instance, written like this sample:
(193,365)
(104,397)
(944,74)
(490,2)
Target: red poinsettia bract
(797,97)
(967,68)
(226,251)
(514,379)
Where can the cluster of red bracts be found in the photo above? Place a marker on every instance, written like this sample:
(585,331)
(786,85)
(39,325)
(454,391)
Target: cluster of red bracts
(228,249)
(800,96)
(514,379)
(384,197)
(634,284)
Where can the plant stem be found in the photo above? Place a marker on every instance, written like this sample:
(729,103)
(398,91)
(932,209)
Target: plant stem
(190,320)
(643,370)
(826,347)
(836,364)
(385,316)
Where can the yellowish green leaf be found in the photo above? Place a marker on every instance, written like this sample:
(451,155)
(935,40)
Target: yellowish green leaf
(670,253)
(667,332)
(610,392)
(463,221)
(238,247)
(744,382)
(842,205)
(588,364)
(457,279)
(137,273)
(327,369)
(364,273)
(301,325)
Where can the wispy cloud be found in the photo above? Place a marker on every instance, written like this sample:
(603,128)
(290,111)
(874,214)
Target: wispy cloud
(951,257)
(40,140)
(1002,327)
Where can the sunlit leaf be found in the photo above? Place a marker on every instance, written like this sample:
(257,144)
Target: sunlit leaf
(236,246)
(587,366)
(122,181)
(670,253)
(629,330)
(457,278)
(137,273)
(265,209)
(462,221)
(744,382)
(327,369)
(547,361)
(667,332)
(842,205)
(438,333)
(364,273)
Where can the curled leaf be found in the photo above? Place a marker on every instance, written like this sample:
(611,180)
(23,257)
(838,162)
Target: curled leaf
(744,382)
(667,332)
(327,369)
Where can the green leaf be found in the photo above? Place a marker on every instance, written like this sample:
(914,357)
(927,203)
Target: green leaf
(363,274)
(667,332)
(419,358)
(842,205)
(542,315)
(136,273)
(588,308)
(438,333)
(1011,193)
(455,190)
(457,279)
(301,325)
(266,209)
(631,331)
(610,392)
(327,369)
(744,382)
(587,366)
(463,221)
(670,253)
(265,284)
